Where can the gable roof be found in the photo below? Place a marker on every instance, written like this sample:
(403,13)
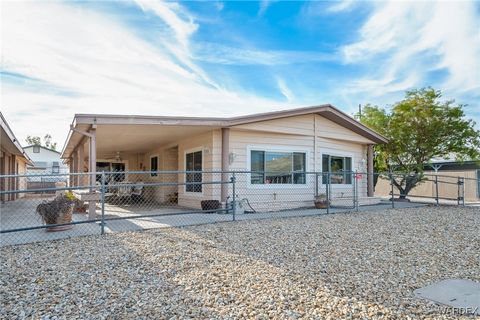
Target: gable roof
(327,111)
(31,146)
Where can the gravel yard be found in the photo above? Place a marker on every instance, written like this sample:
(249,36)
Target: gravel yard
(362,265)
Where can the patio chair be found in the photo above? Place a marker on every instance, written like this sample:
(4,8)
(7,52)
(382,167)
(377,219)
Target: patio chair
(124,191)
(137,192)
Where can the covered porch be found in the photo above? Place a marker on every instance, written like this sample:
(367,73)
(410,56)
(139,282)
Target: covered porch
(135,150)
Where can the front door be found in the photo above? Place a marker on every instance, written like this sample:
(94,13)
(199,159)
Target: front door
(118,167)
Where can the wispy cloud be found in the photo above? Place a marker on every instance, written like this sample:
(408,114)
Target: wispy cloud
(107,67)
(397,39)
(341,5)
(285,90)
(264,4)
(229,55)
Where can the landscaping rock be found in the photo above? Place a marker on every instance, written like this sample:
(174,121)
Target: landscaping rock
(342,266)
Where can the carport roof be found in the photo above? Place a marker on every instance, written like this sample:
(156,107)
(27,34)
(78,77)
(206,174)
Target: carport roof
(328,111)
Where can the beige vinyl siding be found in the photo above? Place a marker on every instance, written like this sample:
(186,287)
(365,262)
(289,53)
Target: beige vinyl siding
(211,156)
(358,152)
(298,125)
(329,129)
(296,134)
(311,134)
(172,157)
(271,197)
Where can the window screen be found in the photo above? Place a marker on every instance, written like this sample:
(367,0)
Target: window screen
(276,167)
(193,162)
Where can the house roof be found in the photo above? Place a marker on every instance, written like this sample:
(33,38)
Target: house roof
(445,165)
(31,146)
(11,143)
(328,111)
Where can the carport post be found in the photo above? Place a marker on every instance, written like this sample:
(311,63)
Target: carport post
(225,164)
(92,167)
(436,190)
(92,207)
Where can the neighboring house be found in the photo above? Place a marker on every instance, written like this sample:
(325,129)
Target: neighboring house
(448,171)
(13,161)
(45,161)
(312,139)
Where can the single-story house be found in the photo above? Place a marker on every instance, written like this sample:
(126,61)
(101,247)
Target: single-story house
(13,161)
(45,161)
(312,139)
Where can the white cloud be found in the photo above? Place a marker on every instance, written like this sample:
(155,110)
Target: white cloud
(228,55)
(403,41)
(107,67)
(285,90)
(264,4)
(219,5)
(341,5)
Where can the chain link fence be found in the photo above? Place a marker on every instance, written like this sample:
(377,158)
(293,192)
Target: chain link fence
(47,207)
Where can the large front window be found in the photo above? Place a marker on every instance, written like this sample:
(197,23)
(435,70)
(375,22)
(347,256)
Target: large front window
(193,162)
(339,167)
(277,167)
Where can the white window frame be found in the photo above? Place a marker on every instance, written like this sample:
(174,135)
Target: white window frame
(267,148)
(336,153)
(185,152)
(150,165)
(53,169)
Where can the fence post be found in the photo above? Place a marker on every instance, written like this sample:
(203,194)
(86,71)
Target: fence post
(327,191)
(391,186)
(102,222)
(463,191)
(436,189)
(458,190)
(234,204)
(316,184)
(355,190)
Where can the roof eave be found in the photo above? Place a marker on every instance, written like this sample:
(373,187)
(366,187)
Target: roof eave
(13,139)
(325,109)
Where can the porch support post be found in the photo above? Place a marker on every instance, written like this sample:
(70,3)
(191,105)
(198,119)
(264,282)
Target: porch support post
(80,159)
(75,168)
(3,171)
(14,180)
(225,162)
(370,191)
(71,169)
(92,157)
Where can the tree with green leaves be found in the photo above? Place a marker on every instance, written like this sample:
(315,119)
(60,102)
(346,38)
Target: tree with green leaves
(419,128)
(37,141)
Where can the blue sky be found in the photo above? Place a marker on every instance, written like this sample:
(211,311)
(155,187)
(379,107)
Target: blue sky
(214,58)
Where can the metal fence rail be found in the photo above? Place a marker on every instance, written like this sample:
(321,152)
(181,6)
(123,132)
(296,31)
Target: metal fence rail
(108,202)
